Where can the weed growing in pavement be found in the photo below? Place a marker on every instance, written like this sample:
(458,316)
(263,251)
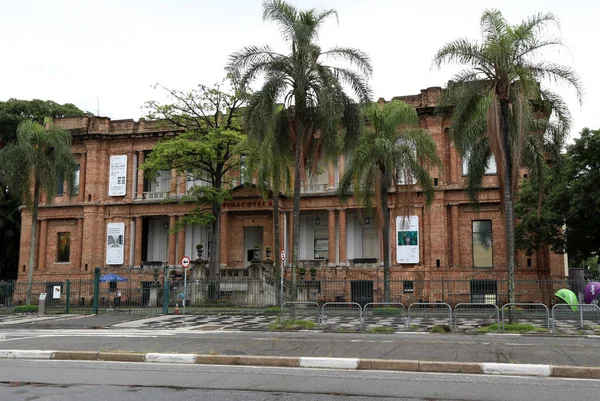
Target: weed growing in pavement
(382,329)
(444,328)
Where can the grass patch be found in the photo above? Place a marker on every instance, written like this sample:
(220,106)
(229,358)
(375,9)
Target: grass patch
(292,324)
(25,309)
(444,328)
(512,328)
(382,329)
(274,310)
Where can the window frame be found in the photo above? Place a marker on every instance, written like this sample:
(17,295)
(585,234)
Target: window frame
(465,166)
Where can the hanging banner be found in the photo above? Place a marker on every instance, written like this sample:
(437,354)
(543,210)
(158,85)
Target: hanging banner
(117,179)
(407,236)
(115,243)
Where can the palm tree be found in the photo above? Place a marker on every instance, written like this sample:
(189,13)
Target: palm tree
(391,152)
(500,109)
(311,91)
(270,161)
(33,162)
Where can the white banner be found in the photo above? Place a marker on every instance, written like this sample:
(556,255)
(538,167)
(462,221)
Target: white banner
(117,179)
(115,243)
(407,239)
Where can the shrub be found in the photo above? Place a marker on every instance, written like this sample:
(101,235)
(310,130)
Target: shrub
(292,324)
(511,328)
(387,311)
(382,329)
(444,328)
(25,309)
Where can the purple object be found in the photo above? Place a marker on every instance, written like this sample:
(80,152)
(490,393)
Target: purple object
(591,291)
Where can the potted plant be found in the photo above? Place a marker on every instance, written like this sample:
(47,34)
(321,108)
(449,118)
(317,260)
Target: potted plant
(172,273)
(256,249)
(268,252)
(313,273)
(301,273)
(155,273)
(199,249)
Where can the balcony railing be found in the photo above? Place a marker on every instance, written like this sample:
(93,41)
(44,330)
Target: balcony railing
(314,188)
(156,195)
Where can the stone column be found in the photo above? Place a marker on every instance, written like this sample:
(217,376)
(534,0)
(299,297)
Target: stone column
(140,176)
(80,235)
(341,162)
(43,244)
(454,159)
(173,186)
(137,259)
(342,217)
(455,238)
(172,261)
(223,246)
(82,175)
(181,244)
(331,178)
(331,237)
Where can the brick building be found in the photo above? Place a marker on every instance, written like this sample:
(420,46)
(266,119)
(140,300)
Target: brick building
(113,217)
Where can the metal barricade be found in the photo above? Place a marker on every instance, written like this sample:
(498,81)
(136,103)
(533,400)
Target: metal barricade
(301,310)
(584,312)
(477,310)
(385,314)
(431,309)
(341,314)
(528,309)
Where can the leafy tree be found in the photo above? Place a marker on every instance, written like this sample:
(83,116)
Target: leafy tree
(207,151)
(571,200)
(390,151)
(501,110)
(310,89)
(12,113)
(32,163)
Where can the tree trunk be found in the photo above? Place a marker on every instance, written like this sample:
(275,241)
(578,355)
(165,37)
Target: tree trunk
(33,239)
(296,211)
(276,233)
(509,211)
(385,235)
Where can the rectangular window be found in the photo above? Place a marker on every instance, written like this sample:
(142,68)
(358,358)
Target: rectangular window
(321,244)
(491,168)
(75,188)
(409,286)
(482,243)
(60,184)
(63,247)
(484,291)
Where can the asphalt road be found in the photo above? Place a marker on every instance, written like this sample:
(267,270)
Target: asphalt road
(553,350)
(130,381)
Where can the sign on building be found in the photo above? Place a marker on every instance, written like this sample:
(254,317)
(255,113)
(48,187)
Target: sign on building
(407,239)
(115,243)
(117,179)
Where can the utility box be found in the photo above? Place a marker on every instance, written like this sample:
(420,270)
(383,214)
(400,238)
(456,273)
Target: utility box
(42,303)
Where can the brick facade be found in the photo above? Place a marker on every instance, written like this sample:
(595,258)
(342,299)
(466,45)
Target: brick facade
(445,229)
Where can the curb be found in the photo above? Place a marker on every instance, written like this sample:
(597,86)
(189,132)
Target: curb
(579,372)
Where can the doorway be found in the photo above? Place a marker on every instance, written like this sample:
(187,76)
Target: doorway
(253,236)
(362,291)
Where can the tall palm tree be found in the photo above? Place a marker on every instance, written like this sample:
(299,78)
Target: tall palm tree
(500,109)
(391,152)
(270,161)
(310,89)
(32,163)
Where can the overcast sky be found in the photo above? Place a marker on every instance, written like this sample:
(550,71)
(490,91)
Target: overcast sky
(113,51)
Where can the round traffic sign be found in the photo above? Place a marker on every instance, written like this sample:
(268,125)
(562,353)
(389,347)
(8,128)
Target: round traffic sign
(185,262)
(283,255)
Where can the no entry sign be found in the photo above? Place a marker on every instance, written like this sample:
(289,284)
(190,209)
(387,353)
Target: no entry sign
(185,262)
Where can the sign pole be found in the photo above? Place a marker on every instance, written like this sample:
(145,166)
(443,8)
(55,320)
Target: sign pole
(184,292)
(185,263)
(281,274)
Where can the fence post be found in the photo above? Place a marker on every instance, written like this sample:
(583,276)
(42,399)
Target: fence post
(166,291)
(96,290)
(68,295)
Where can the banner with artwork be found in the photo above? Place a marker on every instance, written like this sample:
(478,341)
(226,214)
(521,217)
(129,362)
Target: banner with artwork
(407,239)
(115,243)
(117,179)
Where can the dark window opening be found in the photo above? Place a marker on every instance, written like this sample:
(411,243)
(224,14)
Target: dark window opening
(528,262)
(435,182)
(409,286)
(63,245)
(484,291)
(437,263)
